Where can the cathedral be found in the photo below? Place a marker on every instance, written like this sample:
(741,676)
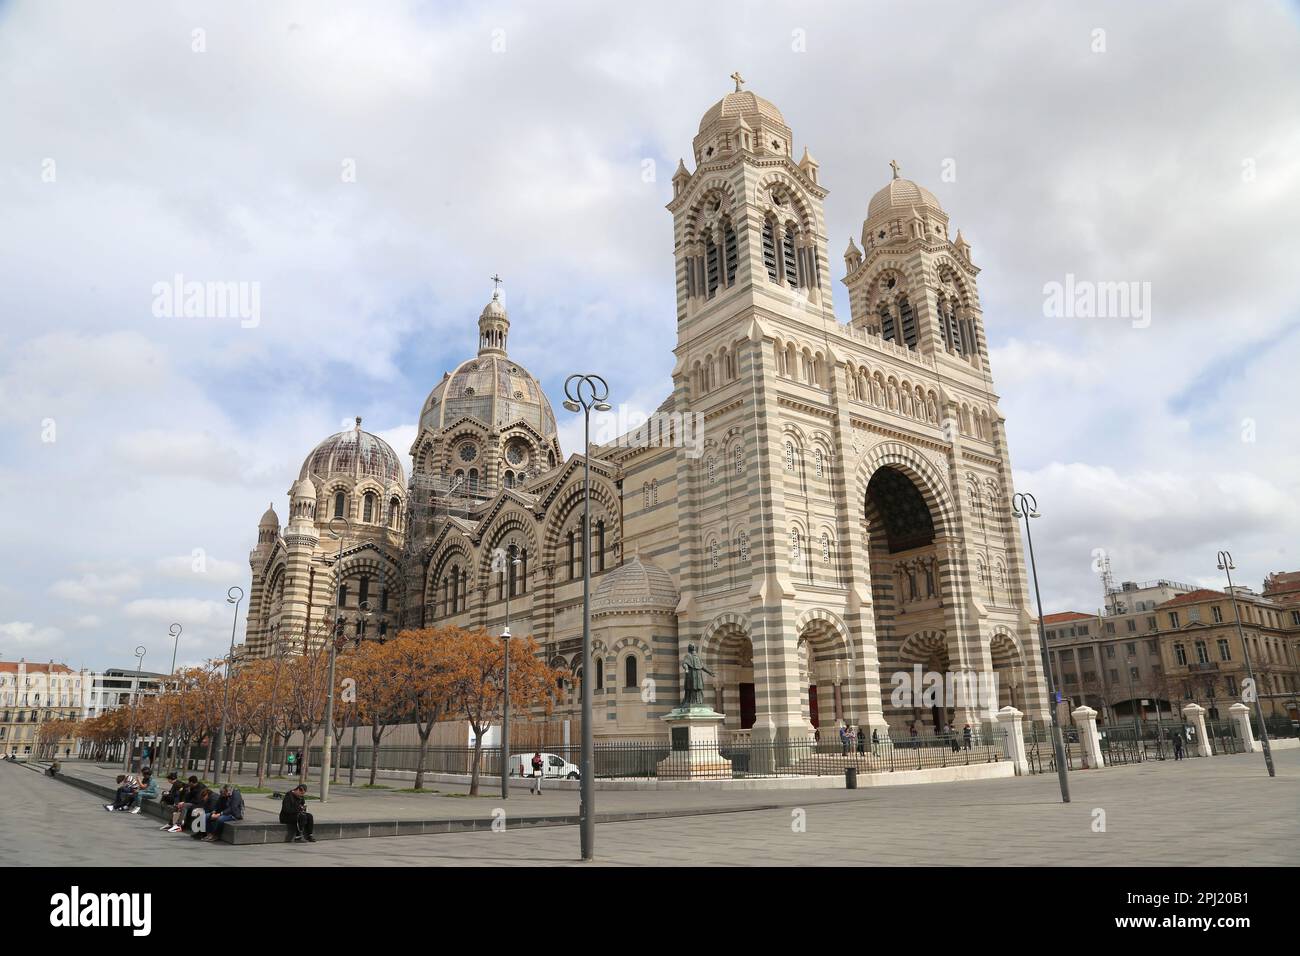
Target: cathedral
(844,518)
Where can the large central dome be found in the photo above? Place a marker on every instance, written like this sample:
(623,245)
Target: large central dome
(354,453)
(492,389)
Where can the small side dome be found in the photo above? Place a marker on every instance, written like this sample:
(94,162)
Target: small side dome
(303,488)
(270,519)
(635,587)
(901,194)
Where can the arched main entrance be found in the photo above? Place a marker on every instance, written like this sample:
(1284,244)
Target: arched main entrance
(729,653)
(909,584)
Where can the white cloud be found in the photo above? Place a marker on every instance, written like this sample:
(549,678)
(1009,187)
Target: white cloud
(198,565)
(18,635)
(191,610)
(93,588)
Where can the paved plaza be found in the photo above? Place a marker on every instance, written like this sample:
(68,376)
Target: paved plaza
(1221,811)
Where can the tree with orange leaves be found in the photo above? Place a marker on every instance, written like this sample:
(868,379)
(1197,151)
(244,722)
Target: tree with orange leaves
(475,680)
(422,689)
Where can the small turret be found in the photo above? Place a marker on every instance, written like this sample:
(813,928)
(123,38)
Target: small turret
(808,165)
(852,256)
(268,529)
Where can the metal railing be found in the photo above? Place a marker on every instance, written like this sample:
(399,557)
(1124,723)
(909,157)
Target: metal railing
(654,757)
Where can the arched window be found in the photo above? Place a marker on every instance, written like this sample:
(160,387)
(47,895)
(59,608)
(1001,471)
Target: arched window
(339,503)
(455,589)
(473,481)
(598,666)
(739,454)
(826,548)
(742,542)
(512,570)
(394,511)
(711,265)
(654,492)
(817,457)
(629,671)
(713,554)
(711,466)
(887,329)
(645,495)
(907,320)
(368,507)
(523,570)
(730,254)
(600,545)
(510,479)
(789,456)
(790,261)
(795,549)
(363,593)
(572,565)
(769,250)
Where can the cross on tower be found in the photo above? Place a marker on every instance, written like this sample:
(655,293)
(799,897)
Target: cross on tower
(893,164)
(496,285)
(739,80)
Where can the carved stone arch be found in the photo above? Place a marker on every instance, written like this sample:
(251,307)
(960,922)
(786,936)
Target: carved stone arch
(829,621)
(714,188)
(570,502)
(509,522)
(636,643)
(441,561)
(1001,632)
(780,183)
(932,485)
(727,621)
(878,289)
(924,648)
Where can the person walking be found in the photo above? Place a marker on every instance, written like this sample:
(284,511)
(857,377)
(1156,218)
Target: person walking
(294,815)
(844,740)
(538,767)
(862,740)
(966,737)
(1178,746)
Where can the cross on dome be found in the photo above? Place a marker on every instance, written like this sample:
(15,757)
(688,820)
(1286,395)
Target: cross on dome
(739,80)
(893,164)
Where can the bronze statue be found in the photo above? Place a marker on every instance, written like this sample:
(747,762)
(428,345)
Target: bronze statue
(693,685)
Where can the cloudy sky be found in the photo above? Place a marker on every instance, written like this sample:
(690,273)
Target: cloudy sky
(369,166)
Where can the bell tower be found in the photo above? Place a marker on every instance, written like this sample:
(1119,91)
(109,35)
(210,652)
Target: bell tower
(748,222)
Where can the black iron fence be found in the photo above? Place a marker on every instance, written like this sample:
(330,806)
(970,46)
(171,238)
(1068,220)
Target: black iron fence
(655,757)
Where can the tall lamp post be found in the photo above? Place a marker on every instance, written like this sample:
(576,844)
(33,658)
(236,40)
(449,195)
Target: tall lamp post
(1227,567)
(1026,506)
(505,562)
(175,632)
(365,612)
(135,692)
(582,394)
(233,596)
(335,633)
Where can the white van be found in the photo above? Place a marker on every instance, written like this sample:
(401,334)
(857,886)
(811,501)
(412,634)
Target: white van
(553,766)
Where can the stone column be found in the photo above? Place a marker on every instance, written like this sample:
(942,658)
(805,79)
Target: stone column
(1241,726)
(1085,718)
(1009,721)
(1194,714)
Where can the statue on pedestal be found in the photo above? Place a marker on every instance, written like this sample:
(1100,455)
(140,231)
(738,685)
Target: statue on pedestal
(693,683)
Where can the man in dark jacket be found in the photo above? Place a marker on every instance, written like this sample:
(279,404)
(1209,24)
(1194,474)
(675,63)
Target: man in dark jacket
(230,806)
(293,813)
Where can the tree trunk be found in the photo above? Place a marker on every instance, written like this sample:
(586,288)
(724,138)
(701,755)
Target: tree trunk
(424,750)
(207,757)
(478,756)
(375,734)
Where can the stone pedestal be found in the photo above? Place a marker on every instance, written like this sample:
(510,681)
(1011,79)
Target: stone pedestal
(1085,718)
(694,755)
(1194,714)
(1009,722)
(1241,726)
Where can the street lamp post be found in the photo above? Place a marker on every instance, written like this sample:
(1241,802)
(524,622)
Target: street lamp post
(335,634)
(582,394)
(1130,661)
(1026,506)
(233,596)
(135,692)
(1227,567)
(506,561)
(175,632)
